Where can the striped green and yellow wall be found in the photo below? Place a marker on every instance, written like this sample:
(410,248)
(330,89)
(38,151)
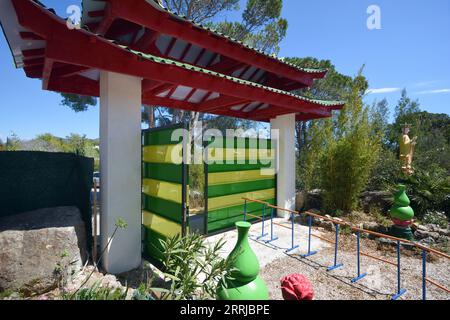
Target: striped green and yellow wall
(239,176)
(164,189)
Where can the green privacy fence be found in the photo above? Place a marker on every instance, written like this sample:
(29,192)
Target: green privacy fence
(236,168)
(164,188)
(31,180)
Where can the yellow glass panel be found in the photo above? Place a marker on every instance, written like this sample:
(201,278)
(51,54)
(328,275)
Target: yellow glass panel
(160,224)
(163,154)
(237,176)
(236,199)
(161,189)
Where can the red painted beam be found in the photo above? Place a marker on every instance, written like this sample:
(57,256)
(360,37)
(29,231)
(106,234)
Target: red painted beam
(75,85)
(160,89)
(47,73)
(221,102)
(146,41)
(308,117)
(96,14)
(33,72)
(142,13)
(33,53)
(68,71)
(149,85)
(30,36)
(34,62)
(108,18)
(76,47)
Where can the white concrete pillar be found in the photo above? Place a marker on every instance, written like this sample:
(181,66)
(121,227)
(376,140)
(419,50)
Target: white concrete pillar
(120,169)
(285,125)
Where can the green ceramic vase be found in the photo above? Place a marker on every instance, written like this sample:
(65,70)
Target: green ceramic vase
(402,212)
(246,283)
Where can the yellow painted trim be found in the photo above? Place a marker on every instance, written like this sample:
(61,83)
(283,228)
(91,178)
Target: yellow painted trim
(163,154)
(236,199)
(160,224)
(161,189)
(236,177)
(224,154)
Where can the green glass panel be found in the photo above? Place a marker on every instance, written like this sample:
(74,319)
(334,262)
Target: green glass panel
(213,168)
(168,209)
(152,244)
(160,137)
(163,172)
(233,188)
(226,224)
(230,212)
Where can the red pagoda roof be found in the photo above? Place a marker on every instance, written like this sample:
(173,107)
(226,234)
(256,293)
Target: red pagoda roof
(70,61)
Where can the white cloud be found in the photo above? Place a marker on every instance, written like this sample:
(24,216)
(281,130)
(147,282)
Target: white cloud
(434,91)
(382,90)
(425,83)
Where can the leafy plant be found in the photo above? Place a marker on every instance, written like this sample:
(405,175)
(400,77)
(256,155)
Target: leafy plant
(97,292)
(352,152)
(120,224)
(194,268)
(429,191)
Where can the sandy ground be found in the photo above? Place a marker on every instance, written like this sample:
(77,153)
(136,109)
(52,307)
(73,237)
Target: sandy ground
(379,284)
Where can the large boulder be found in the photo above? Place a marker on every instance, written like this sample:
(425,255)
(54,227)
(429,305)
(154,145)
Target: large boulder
(40,248)
(376,199)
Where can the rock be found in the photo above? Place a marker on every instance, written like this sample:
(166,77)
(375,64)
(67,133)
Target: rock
(421,234)
(35,245)
(375,226)
(300,200)
(313,200)
(378,199)
(325,224)
(427,241)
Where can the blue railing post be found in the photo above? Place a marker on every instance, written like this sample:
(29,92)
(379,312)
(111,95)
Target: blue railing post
(263,218)
(272,238)
(293,247)
(310,253)
(245,210)
(424,275)
(336,244)
(358,258)
(400,291)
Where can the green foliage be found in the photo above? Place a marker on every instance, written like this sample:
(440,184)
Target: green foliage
(261,26)
(351,153)
(13,142)
(121,223)
(386,172)
(200,11)
(436,218)
(77,103)
(194,267)
(428,190)
(97,292)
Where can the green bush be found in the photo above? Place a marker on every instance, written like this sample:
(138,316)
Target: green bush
(97,292)
(429,191)
(194,267)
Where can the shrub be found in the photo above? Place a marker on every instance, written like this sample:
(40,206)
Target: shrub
(429,191)
(194,267)
(97,292)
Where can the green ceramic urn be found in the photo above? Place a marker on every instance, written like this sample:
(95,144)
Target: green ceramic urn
(246,283)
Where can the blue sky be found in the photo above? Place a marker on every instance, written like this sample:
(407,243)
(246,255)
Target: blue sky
(412,51)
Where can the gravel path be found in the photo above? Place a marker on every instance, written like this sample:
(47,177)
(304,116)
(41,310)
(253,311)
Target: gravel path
(380,282)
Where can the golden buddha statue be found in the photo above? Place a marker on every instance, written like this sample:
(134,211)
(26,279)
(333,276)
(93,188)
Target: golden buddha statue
(407,147)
